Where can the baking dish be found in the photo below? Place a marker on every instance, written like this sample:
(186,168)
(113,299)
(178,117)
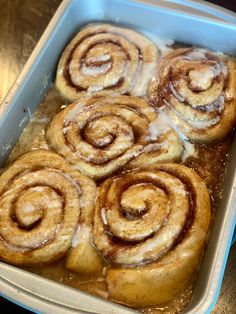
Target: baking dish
(208,7)
(32,85)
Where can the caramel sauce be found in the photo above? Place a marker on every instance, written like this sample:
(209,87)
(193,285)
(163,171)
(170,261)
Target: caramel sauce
(33,135)
(210,164)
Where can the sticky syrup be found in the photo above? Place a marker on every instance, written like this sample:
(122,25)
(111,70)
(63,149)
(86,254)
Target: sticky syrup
(211,166)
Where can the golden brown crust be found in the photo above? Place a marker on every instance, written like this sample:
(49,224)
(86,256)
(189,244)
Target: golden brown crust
(104,59)
(197,89)
(152,224)
(42,201)
(100,135)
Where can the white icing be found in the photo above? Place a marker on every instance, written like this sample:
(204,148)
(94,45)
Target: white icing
(189,150)
(163,44)
(197,54)
(156,146)
(96,70)
(27,208)
(167,123)
(38,188)
(163,239)
(180,98)
(72,114)
(129,34)
(202,77)
(104,216)
(95,88)
(75,239)
(203,124)
(82,235)
(148,70)
(104,57)
(65,129)
(159,126)
(224,69)
(218,68)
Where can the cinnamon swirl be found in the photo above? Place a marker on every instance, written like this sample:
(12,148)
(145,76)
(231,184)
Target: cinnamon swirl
(42,201)
(100,135)
(104,59)
(197,88)
(152,226)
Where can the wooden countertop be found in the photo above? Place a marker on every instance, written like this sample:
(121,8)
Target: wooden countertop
(22,22)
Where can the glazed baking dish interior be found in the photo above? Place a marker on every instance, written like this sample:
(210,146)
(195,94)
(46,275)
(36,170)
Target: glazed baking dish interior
(32,85)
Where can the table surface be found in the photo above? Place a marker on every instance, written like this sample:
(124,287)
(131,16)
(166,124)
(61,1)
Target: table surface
(22,22)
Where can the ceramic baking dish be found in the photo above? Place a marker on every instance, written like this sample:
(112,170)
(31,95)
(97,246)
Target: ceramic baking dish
(201,25)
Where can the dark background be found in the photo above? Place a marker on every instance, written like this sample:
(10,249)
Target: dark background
(22,22)
(229,4)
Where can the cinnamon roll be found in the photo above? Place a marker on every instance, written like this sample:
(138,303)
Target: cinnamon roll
(197,88)
(100,135)
(42,201)
(104,59)
(152,226)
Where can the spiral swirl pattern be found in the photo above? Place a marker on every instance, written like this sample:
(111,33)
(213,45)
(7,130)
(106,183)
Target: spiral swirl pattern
(42,200)
(104,59)
(197,87)
(147,222)
(101,135)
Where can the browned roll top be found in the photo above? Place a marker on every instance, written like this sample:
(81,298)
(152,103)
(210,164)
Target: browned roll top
(152,226)
(104,59)
(100,135)
(42,200)
(197,88)
(140,216)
